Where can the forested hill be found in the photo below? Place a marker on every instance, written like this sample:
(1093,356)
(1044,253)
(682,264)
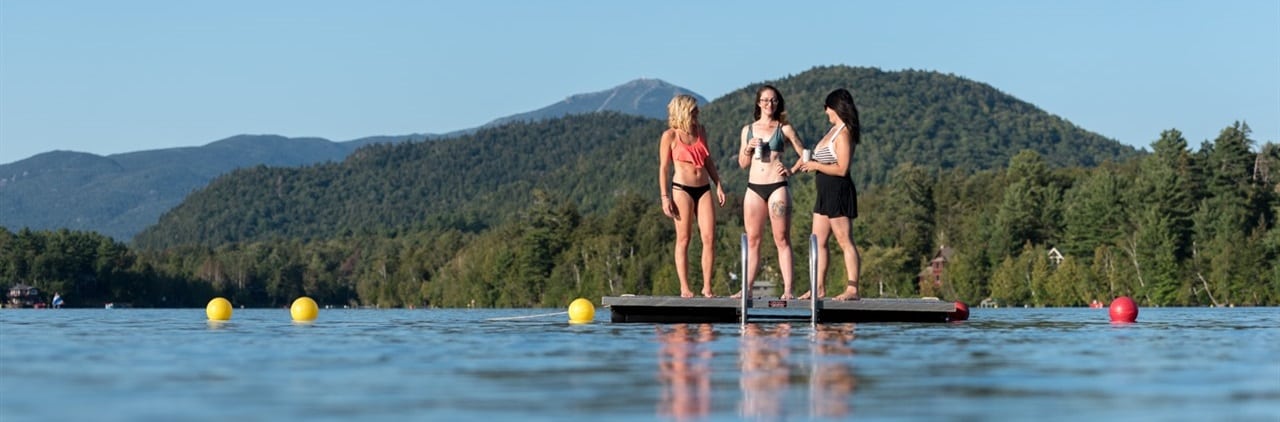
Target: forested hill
(475,181)
(121,194)
(468,183)
(929,118)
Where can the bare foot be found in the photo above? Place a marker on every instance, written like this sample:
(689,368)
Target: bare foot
(706,292)
(686,293)
(808,295)
(850,293)
(787,296)
(736,295)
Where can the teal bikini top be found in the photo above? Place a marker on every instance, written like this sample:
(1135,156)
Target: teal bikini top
(774,142)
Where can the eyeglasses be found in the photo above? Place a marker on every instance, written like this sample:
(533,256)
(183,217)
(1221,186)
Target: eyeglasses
(769,100)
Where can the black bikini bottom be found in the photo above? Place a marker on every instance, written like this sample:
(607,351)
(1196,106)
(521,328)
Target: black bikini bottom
(765,190)
(694,192)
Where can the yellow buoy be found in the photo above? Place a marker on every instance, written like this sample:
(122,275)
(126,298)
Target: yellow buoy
(304,309)
(581,311)
(218,309)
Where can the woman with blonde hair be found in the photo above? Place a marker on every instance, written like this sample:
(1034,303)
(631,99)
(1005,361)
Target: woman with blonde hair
(684,148)
(768,197)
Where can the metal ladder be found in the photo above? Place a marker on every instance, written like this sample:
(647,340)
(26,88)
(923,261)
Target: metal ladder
(745,305)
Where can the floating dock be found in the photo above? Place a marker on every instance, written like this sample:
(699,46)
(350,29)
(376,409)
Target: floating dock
(674,309)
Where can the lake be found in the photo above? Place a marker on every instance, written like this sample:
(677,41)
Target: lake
(522,364)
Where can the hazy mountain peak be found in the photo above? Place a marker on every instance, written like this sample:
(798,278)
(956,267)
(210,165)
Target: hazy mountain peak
(60,160)
(642,97)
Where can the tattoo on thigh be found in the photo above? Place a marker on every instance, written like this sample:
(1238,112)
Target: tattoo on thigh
(779,208)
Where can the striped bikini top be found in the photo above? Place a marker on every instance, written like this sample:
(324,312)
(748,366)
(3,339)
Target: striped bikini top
(825,154)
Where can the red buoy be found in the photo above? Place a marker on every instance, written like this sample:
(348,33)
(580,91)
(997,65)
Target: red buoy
(961,313)
(1124,310)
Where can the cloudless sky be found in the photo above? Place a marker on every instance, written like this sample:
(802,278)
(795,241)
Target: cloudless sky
(117,76)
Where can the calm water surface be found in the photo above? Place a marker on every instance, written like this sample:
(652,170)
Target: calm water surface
(1019,364)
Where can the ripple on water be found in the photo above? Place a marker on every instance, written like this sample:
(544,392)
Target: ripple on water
(1175,363)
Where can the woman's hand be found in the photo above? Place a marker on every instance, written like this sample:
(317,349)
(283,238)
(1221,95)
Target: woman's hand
(720,194)
(782,170)
(669,207)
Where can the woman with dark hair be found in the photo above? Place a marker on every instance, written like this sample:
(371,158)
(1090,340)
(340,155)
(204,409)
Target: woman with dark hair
(683,156)
(837,198)
(768,198)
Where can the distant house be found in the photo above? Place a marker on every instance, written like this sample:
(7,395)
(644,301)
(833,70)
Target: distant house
(930,278)
(1055,256)
(23,296)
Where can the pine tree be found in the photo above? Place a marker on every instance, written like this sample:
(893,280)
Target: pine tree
(964,280)
(1153,252)
(1229,214)
(1029,207)
(910,209)
(1166,184)
(1230,176)
(1010,283)
(1016,220)
(1068,284)
(1039,272)
(881,274)
(1094,214)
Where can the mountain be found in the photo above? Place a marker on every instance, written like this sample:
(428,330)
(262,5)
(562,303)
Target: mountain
(482,179)
(928,118)
(120,194)
(641,97)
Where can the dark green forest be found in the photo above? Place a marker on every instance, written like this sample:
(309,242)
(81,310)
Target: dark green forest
(536,214)
(474,182)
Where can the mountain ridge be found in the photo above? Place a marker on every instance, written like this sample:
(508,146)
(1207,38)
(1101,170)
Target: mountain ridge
(925,118)
(646,97)
(120,194)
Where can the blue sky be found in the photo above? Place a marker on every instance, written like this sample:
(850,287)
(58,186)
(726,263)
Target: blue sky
(116,76)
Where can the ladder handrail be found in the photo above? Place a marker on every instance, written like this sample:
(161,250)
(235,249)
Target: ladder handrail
(813,283)
(744,293)
(813,280)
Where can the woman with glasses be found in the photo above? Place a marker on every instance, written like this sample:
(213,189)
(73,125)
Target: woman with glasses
(684,147)
(837,199)
(767,199)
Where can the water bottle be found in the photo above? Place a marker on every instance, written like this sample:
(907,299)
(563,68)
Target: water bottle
(759,155)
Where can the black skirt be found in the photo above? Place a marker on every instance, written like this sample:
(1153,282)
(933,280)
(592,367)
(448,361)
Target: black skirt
(837,197)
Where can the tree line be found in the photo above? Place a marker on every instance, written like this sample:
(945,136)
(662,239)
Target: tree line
(1177,227)
(471,182)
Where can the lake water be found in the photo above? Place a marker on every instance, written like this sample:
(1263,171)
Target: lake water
(1006,364)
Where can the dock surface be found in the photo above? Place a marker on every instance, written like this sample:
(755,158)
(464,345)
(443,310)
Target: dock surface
(674,309)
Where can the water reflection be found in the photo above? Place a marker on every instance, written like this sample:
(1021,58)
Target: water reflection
(832,382)
(684,368)
(771,362)
(764,370)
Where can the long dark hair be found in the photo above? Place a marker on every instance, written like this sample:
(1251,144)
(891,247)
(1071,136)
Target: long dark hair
(841,101)
(779,109)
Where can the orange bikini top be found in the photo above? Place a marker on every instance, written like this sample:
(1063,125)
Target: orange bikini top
(695,153)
